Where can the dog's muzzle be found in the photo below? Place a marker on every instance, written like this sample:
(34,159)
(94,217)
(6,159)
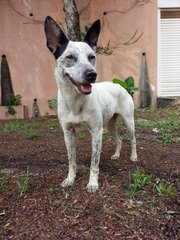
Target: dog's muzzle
(85,87)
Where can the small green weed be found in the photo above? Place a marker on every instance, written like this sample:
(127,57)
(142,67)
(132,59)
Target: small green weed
(30,133)
(66,194)
(169,138)
(52,104)
(167,127)
(81,136)
(137,183)
(15,100)
(3,179)
(13,126)
(126,137)
(106,135)
(164,188)
(115,163)
(54,190)
(23,184)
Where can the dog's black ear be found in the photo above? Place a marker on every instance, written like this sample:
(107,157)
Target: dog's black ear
(92,34)
(54,35)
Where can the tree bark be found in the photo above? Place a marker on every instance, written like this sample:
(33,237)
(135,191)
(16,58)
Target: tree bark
(72,20)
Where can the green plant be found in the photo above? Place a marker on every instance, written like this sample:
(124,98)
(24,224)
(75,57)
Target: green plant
(106,134)
(128,84)
(169,138)
(170,189)
(30,133)
(160,187)
(81,136)
(164,188)
(115,163)
(14,101)
(23,184)
(54,190)
(137,183)
(167,127)
(3,179)
(46,114)
(12,126)
(52,104)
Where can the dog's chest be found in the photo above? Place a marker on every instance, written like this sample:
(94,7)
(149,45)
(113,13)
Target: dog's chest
(73,116)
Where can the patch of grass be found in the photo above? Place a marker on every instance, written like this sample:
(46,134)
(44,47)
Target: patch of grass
(115,163)
(164,188)
(126,137)
(66,194)
(167,127)
(3,179)
(54,190)
(23,184)
(169,138)
(13,126)
(138,181)
(81,136)
(30,133)
(106,134)
(53,124)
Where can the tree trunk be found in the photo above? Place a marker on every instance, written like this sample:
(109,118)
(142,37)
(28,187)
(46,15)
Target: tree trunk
(72,20)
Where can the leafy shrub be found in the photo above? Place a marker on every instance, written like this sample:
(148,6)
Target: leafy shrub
(128,84)
(14,101)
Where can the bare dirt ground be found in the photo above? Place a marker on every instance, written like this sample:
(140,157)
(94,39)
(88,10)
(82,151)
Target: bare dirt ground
(46,211)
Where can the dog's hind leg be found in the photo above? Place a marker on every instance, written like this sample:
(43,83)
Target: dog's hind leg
(128,118)
(69,137)
(114,133)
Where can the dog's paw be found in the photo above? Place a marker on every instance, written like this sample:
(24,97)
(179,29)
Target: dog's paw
(134,159)
(67,183)
(92,188)
(115,157)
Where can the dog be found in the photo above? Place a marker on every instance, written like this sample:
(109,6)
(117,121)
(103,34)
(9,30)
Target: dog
(81,101)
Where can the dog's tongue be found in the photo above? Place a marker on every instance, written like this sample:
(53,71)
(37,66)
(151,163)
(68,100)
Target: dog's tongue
(86,88)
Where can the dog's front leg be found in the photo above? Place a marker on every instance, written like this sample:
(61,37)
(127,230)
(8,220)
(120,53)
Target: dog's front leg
(69,137)
(96,151)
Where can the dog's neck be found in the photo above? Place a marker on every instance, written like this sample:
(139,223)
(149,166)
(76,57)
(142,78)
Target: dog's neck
(73,100)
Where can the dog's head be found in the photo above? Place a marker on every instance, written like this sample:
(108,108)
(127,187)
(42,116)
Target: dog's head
(75,60)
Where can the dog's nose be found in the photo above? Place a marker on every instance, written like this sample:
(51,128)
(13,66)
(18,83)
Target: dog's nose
(90,76)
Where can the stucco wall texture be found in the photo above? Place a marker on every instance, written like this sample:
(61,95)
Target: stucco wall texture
(31,64)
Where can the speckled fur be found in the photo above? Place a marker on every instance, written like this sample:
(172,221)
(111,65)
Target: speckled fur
(96,110)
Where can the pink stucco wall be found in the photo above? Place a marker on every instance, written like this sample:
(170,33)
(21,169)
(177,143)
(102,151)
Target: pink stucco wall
(31,64)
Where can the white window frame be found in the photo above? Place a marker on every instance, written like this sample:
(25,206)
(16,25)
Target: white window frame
(162,4)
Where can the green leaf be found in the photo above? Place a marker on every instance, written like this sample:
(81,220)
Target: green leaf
(122,83)
(129,82)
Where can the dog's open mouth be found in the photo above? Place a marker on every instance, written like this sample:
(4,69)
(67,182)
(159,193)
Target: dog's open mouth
(84,88)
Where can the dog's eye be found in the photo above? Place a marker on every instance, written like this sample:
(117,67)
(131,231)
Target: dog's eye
(91,57)
(70,57)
